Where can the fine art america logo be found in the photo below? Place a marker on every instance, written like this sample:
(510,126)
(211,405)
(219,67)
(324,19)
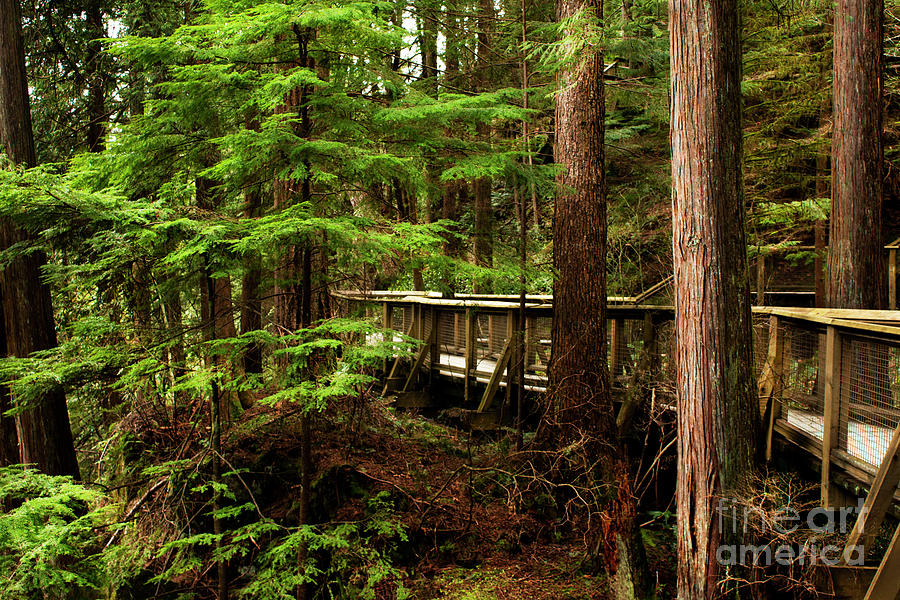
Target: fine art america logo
(809,533)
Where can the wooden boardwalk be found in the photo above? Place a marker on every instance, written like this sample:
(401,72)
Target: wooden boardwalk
(829,383)
(469,337)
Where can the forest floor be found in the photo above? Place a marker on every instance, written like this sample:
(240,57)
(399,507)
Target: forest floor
(475,531)
(472,529)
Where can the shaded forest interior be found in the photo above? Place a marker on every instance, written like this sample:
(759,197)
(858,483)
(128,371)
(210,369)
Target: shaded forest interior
(188,188)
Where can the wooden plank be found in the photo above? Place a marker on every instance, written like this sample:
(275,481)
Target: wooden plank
(481,421)
(490,333)
(392,376)
(469,351)
(435,350)
(416,399)
(878,500)
(496,376)
(392,384)
(892,278)
(819,262)
(831,420)
(886,584)
(529,342)
(761,279)
(617,338)
(888,321)
(424,351)
(842,582)
(510,339)
(649,292)
(387,315)
(772,381)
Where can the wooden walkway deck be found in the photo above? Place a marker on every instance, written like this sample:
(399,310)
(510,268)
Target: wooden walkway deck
(829,380)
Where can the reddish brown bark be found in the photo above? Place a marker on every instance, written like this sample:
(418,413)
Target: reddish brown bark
(578,372)
(483,244)
(717,407)
(96,97)
(44,433)
(251,303)
(209,199)
(856,271)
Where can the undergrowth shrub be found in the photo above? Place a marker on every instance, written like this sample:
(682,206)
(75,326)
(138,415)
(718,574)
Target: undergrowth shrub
(52,537)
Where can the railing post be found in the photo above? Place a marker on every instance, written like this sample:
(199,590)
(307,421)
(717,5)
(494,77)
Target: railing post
(435,343)
(510,333)
(819,262)
(387,315)
(761,280)
(615,357)
(490,334)
(650,345)
(831,419)
(892,278)
(419,317)
(456,330)
(471,316)
(529,341)
(772,384)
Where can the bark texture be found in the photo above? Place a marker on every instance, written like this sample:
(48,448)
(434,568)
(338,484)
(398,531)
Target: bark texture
(717,406)
(45,437)
(483,244)
(96,96)
(856,257)
(251,303)
(578,372)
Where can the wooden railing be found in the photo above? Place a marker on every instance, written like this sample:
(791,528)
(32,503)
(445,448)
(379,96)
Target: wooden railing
(829,379)
(769,266)
(829,382)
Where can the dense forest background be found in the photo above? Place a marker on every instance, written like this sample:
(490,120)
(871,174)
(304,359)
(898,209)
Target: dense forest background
(207,174)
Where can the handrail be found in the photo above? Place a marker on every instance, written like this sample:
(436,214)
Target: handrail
(807,353)
(884,322)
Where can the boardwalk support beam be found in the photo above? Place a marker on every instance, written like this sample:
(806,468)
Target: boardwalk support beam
(496,376)
(831,421)
(878,501)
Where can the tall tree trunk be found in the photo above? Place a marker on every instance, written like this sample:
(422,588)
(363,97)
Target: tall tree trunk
(94,74)
(293,270)
(222,305)
(211,287)
(483,246)
(428,44)
(174,324)
(718,412)
(251,303)
(856,273)
(9,439)
(44,433)
(578,372)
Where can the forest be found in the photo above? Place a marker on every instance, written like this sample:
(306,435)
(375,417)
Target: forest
(464,299)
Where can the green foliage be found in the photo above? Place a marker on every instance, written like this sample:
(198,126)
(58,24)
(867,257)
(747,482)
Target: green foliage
(51,540)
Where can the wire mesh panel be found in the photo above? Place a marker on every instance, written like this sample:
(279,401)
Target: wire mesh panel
(803,376)
(665,347)
(402,317)
(491,334)
(625,343)
(427,321)
(451,339)
(451,331)
(538,345)
(870,396)
(760,341)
